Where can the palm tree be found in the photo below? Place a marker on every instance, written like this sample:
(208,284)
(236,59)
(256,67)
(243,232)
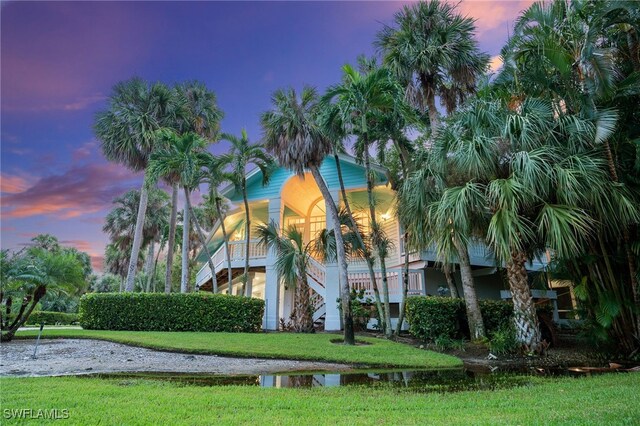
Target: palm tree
(584,57)
(438,212)
(126,131)
(198,112)
(360,102)
(183,155)
(431,49)
(242,154)
(215,175)
(121,221)
(28,276)
(293,135)
(336,132)
(292,261)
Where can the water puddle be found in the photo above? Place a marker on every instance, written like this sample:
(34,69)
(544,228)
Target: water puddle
(417,380)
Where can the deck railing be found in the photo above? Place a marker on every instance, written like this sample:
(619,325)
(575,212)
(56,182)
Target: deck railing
(361,281)
(237,253)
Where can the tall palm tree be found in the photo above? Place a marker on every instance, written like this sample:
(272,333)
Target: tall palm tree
(126,131)
(198,112)
(293,135)
(292,261)
(584,57)
(432,50)
(360,102)
(183,155)
(242,154)
(333,127)
(215,175)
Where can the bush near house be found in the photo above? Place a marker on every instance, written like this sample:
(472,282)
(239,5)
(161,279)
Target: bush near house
(52,318)
(436,317)
(170,312)
(432,318)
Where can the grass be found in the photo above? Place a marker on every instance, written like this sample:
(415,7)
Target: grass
(314,347)
(606,399)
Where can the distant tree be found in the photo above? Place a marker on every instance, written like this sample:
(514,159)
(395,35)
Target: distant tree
(107,283)
(28,275)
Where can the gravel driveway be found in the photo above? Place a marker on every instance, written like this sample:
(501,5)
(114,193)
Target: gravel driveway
(83,356)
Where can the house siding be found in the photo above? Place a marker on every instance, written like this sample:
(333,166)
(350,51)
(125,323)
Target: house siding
(352,175)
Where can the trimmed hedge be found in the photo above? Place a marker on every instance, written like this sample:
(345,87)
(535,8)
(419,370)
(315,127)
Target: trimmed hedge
(170,312)
(52,318)
(432,317)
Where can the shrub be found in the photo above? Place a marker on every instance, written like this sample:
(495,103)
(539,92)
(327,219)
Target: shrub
(434,317)
(52,318)
(503,340)
(170,312)
(496,314)
(431,318)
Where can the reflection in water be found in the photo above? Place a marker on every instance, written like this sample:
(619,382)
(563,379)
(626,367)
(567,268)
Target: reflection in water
(420,380)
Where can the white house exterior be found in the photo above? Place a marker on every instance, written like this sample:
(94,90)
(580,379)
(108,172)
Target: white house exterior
(290,200)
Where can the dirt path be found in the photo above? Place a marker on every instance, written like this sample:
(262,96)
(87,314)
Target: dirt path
(83,356)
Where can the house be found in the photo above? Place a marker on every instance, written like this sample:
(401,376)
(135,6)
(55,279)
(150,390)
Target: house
(291,200)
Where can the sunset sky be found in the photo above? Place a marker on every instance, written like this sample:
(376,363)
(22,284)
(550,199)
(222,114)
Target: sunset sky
(60,60)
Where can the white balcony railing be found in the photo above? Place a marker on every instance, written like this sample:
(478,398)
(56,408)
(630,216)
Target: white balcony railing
(237,254)
(361,281)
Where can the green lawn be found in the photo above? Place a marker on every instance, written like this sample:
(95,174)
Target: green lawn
(316,347)
(607,399)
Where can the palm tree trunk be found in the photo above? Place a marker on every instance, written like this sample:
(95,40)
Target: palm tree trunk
(404,159)
(526,318)
(626,238)
(356,230)
(184,278)
(226,246)
(155,268)
(430,99)
(137,237)
(405,285)
(172,238)
(203,241)
(345,292)
(148,265)
(303,316)
(474,316)
(23,316)
(453,289)
(381,251)
(245,275)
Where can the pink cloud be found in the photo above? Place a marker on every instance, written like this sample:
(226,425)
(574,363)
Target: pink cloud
(83,151)
(96,254)
(79,191)
(12,184)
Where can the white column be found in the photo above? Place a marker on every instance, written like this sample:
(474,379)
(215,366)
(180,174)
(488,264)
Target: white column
(272,281)
(332,282)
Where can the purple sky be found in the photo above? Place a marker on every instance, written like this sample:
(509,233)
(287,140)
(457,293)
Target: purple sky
(60,60)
